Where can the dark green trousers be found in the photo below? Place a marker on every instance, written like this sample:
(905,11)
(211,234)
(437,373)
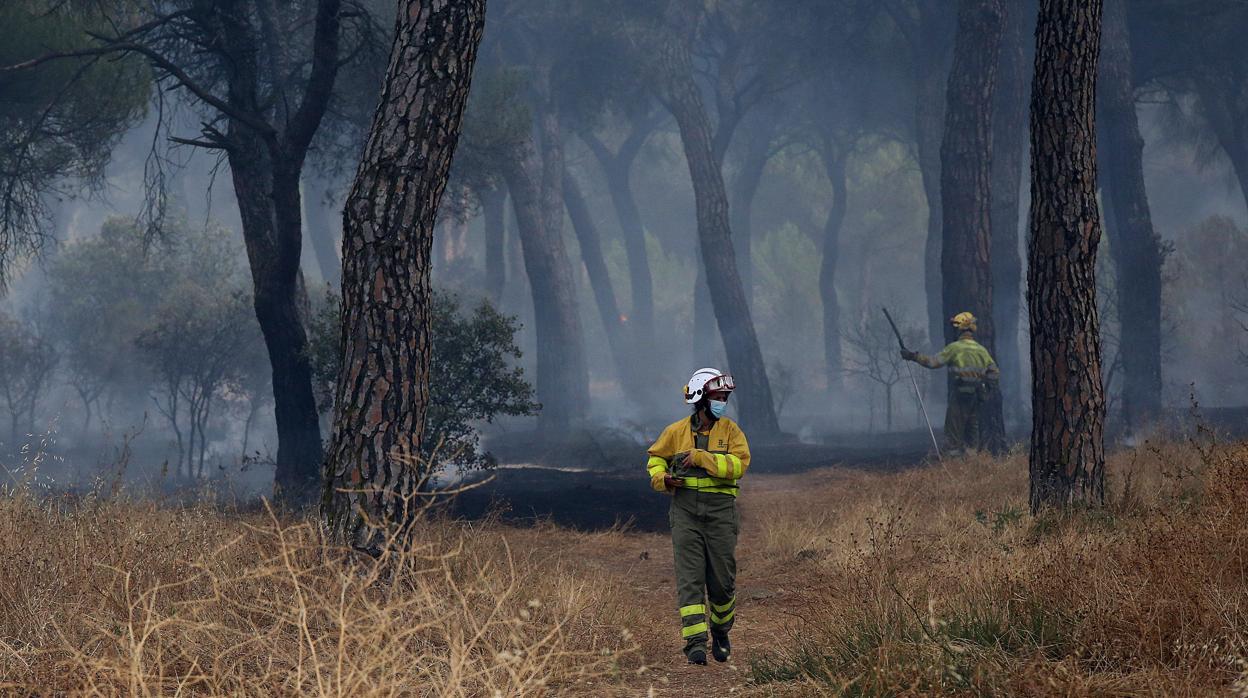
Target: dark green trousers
(962,422)
(704,545)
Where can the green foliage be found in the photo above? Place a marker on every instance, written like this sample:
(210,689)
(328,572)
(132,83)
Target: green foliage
(26,364)
(471,378)
(172,318)
(59,120)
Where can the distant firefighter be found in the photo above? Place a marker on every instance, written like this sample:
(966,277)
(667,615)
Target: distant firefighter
(975,374)
(699,461)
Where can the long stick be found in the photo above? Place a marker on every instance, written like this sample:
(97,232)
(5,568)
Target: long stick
(917,393)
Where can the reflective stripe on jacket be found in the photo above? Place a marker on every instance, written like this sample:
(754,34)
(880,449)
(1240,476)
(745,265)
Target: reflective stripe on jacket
(719,466)
(967,360)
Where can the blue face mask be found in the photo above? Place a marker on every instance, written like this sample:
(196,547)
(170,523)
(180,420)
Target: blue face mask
(718,407)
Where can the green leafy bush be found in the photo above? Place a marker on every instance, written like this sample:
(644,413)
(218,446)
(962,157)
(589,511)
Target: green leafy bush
(472,376)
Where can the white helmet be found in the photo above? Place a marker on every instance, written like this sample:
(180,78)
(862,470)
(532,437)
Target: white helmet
(707,380)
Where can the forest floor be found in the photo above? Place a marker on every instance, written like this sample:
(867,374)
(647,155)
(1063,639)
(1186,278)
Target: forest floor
(927,580)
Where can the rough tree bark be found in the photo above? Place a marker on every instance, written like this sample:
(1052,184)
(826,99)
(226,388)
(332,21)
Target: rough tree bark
(1009,131)
(966,188)
(1134,245)
(382,393)
(1067,461)
(562,374)
(756,408)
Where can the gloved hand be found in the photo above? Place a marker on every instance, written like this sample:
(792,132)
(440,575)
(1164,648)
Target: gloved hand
(909,355)
(664,482)
(658,482)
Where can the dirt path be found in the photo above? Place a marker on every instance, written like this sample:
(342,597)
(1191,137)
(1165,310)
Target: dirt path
(767,598)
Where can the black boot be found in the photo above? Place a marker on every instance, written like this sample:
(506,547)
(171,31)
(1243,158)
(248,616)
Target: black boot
(720,647)
(698,656)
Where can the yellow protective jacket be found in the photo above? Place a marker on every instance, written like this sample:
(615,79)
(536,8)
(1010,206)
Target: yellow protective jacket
(725,459)
(967,359)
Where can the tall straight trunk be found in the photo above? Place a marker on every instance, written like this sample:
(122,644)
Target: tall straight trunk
(319,216)
(562,375)
(623,351)
(929,124)
(1135,246)
(494,213)
(745,359)
(966,188)
(618,168)
(1067,461)
(926,27)
(1008,141)
(269,207)
(834,164)
(373,470)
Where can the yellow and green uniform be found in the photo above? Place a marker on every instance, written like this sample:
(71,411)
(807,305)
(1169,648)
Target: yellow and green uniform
(704,520)
(972,368)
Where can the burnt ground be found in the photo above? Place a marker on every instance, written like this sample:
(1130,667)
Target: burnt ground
(594,482)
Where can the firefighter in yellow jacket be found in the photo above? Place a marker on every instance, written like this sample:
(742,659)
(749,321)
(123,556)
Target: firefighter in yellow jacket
(974,375)
(699,461)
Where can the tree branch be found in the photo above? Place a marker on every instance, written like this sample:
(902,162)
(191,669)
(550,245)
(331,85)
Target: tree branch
(320,85)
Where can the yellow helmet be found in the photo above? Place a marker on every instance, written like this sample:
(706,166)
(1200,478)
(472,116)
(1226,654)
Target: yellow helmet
(964,321)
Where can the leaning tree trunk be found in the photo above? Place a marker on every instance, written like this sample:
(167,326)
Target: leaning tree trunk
(756,408)
(318,215)
(834,163)
(966,189)
(1008,141)
(619,340)
(1134,245)
(494,215)
(618,168)
(745,183)
(1224,104)
(1067,462)
(373,471)
(562,375)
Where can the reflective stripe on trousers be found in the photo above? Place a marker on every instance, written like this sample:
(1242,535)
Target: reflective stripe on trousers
(704,540)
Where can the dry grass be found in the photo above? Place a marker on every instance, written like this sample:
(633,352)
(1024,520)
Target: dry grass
(929,581)
(938,581)
(122,598)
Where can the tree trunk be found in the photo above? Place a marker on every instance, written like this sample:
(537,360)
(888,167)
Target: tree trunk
(269,206)
(966,188)
(622,348)
(319,216)
(745,183)
(834,164)
(1134,245)
(382,393)
(1008,130)
(1067,461)
(745,359)
(562,375)
(929,123)
(1225,107)
(493,211)
(618,168)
